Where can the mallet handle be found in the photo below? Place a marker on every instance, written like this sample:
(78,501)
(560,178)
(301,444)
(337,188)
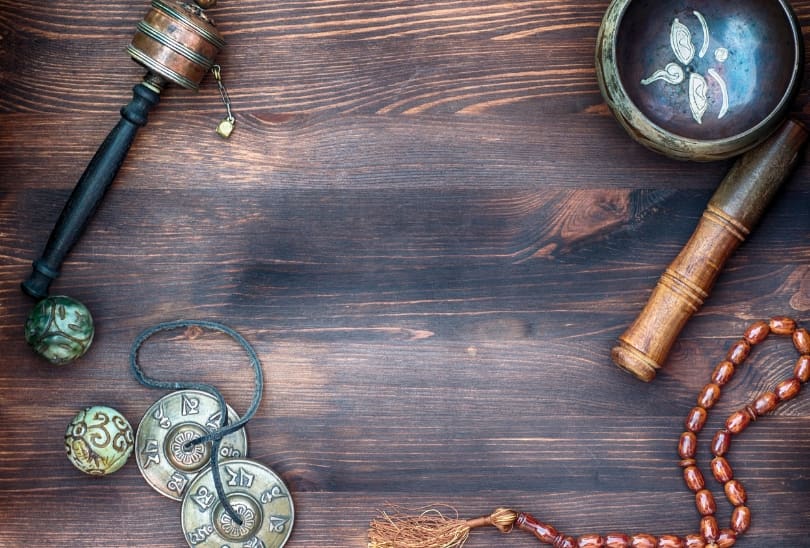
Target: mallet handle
(89,191)
(730,216)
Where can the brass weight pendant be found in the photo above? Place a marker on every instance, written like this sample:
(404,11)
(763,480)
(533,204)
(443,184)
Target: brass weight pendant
(166,460)
(256,493)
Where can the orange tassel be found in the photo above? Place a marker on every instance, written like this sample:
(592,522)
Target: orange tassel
(431,528)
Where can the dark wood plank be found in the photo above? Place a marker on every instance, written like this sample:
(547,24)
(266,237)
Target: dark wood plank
(431,228)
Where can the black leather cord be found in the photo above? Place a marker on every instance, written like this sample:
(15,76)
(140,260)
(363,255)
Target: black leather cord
(224,429)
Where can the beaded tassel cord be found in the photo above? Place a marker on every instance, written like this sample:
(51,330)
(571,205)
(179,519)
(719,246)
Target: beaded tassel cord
(431,529)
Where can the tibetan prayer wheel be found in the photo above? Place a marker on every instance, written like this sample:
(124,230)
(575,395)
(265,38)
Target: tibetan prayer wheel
(177,43)
(702,80)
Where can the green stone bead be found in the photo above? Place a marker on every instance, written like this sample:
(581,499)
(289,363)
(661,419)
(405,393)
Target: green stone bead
(59,329)
(99,440)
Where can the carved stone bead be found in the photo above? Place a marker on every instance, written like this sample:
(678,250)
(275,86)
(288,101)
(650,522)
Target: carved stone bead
(643,540)
(709,528)
(727,539)
(694,479)
(591,541)
(696,419)
(721,443)
(60,329)
(722,470)
(782,325)
(757,332)
(741,519)
(617,540)
(739,352)
(802,369)
(735,493)
(704,500)
(671,541)
(737,422)
(723,372)
(99,440)
(695,541)
(709,395)
(687,446)
(787,390)
(766,403)
(801,340)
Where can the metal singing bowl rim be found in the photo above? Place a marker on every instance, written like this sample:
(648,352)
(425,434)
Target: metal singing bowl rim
(611,76)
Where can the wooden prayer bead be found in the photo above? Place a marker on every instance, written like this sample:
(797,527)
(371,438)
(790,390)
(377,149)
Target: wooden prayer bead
(735,493)
(801,340)
(737,422)
(757,332)
(617,540)
(543,531)
(766,403)
(782,325)
(741,519)
(696,419)
(726,539)
(670,541)
(721,470)
(802,369)
(704,500)
(709,528)
(695,541)
(687,446)
(787,390)
(563,541)
(721,443)
(709,396)
(694,479)
(723,372)
(738,352)
(686,463)
(643,540)
(591,541)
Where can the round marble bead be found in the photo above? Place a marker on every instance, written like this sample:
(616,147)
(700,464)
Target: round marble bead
(98,440)
(59,329)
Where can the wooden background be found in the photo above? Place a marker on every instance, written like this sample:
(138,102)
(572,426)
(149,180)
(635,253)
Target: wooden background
(432,230)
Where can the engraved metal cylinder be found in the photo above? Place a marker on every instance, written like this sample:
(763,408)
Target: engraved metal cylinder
(177,41)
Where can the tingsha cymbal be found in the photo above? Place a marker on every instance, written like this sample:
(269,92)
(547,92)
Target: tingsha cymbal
(258,496)
(165,458)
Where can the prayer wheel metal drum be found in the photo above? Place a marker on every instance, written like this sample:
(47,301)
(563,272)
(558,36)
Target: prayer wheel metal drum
(699,79)
(177,41)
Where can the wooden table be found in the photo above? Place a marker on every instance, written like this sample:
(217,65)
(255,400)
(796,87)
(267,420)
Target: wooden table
(432,230)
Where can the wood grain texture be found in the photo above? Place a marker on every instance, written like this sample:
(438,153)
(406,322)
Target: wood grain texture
(432,230)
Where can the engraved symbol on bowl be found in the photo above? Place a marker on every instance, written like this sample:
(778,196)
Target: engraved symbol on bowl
(685,53)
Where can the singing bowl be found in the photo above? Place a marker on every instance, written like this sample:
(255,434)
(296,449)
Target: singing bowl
(699,79)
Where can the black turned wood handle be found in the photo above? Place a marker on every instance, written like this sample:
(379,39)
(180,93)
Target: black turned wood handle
(90,190)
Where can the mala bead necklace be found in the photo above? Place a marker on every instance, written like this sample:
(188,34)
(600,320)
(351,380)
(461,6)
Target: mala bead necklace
(431,529)
(190,438)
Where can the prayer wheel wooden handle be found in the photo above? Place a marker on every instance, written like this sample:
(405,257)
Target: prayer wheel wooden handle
(89,191)
(730,216)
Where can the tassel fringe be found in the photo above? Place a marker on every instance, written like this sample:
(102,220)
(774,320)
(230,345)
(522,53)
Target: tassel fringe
(431,528)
